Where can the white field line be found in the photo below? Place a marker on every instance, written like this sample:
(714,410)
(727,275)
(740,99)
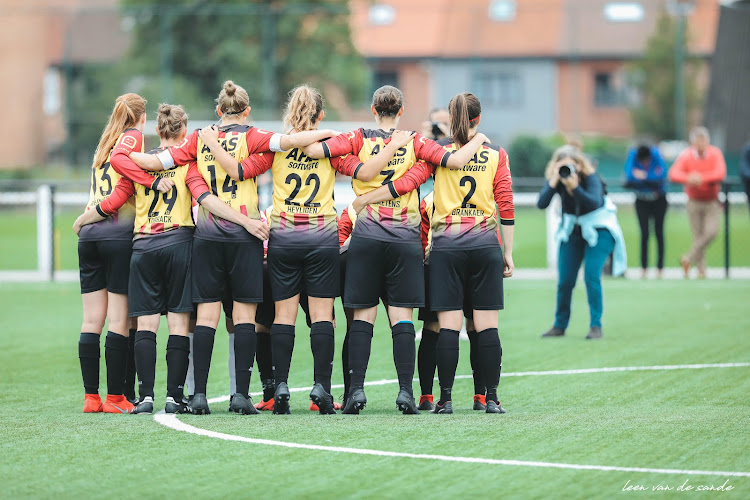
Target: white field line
(172,422)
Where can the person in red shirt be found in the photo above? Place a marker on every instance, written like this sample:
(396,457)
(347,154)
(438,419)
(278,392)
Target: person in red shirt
(701,169)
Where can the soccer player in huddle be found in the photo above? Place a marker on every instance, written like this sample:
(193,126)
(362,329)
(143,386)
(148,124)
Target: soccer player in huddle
(160,266)
(385,254)
(225,256)
(303,246)
(466,259)
(104,252)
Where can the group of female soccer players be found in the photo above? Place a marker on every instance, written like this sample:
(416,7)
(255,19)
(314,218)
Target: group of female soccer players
(176,263)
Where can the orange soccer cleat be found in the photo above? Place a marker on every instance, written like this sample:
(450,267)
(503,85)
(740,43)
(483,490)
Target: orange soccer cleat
(117,404)
(480,402)
(314,407)
(92,403)
(265,405)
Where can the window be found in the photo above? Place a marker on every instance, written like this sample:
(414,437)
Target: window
(384,77)
(623,12)
(500,89)
(608,92)
(51,91)
(502,10)
(381,15)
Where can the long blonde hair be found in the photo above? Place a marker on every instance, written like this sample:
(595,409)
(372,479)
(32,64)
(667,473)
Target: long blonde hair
(585,167)
(303,109)
(129,109)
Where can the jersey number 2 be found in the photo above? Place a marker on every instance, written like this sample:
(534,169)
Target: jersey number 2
(472,188)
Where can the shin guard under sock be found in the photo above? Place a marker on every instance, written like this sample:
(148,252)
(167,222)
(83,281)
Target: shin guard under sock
(490,357)
(244,354)
(129,388)
(404,352)
(345,363)
(203,347)
(447,361)
(116,357)
(231,369)
(178,350)
(476,373)
(427,360)
(360,344)
(145,362)
(264,360)
(282,346)
(322,344)
(88,354)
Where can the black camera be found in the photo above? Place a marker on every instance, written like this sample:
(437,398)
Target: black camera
(437,132)
(565,170)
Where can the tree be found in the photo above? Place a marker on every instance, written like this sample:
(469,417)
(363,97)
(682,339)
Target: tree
(654,78)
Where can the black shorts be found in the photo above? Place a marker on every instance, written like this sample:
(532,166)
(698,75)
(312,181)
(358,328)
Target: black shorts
(376,269)
(475,274)
(227,268)
(429,316)
(266,311)
(104,265)
(310,269)
(160,280)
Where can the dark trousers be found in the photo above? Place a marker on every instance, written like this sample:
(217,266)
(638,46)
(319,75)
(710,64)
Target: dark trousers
(746,182)
(572,254)
(656,210)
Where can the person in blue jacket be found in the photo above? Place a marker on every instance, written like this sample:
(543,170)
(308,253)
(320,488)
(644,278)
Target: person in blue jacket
(646,175)
(587,235)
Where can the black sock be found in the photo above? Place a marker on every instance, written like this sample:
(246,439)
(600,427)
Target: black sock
(490,357)
(88,354)
(203,348)
(178,353)
(427,360)
(447,361)
(129,389)
(345,363)
(116,357)
(263,358)
(282,346)
(323,345)
(476,373)
(244,353)
(404,352)
(360,344)
(145,361)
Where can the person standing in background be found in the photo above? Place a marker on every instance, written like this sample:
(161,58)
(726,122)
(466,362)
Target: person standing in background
(745,168)
(438,126)
(701,168)
(646,175)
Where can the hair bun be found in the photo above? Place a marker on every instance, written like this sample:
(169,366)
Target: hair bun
(165,109)
(230,88)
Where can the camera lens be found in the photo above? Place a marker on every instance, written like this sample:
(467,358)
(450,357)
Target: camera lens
(565,171)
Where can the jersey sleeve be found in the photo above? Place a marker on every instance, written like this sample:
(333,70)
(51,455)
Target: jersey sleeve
(196,183)
(412,179)
(187,151)
(255,164)
(424,226)
(258,140)
(124,189)
(347,165)
(343,144)
(345,226)
(503,191)
(131,140)
(430,151)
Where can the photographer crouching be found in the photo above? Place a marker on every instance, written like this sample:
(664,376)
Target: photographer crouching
(588,234)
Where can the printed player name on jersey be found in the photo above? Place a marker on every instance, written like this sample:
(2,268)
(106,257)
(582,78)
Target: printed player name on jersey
(160,218)
(390,203)
(468,212)
(296,209)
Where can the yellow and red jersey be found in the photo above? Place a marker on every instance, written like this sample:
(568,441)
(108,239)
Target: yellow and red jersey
(397,219)
(239,141)
(467,201)
(303,207)
(104,180)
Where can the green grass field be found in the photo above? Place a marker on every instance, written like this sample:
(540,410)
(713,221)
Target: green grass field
(18,247)
(680,419)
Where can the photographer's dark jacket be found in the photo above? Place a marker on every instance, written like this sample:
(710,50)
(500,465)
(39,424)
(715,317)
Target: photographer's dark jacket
(587,197)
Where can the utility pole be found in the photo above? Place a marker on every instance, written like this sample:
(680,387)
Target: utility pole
(681,10)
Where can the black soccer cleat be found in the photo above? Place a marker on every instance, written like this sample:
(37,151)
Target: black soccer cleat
(406,404)
(144,406)
(425,402)
(355,402)
(445,408)
(243,405)
(281,400)
(199,405)
(323,400)
(494,407)
(180,406)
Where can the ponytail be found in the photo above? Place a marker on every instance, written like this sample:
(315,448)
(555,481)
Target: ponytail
(128,110)
(171,121)
(303,109)
(464,110)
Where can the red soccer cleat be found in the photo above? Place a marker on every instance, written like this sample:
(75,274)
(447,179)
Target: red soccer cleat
(314,407)
(425,402)
(92,403)
(265,405)
(117,404)
(480,402)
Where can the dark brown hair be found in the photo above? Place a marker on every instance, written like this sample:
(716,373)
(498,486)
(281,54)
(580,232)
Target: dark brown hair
(388,101)
(303,108)
(129,108)
(232,99)
(171,120)
(464,110)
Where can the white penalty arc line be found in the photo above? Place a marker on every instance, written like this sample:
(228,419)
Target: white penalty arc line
(172,422)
